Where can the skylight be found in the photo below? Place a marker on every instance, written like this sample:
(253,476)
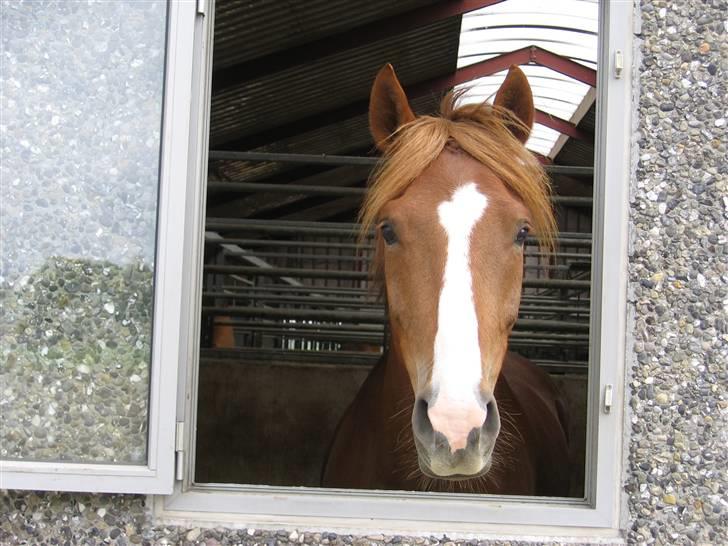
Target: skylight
(565,27)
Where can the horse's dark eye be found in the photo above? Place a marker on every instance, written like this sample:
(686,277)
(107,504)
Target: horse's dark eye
(388,234)
(522,236)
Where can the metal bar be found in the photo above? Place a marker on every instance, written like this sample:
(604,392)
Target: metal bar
(303,159)
(354,246)
(549,336)
(324,159)
(526,340)
(296,326)
(375,317)
(344,335)
(368,293)
(526,55)
(256,356)
(562,126)
(560,255)
(363,275)
(336,302)
(225,224)
(569,170)
(367,33)
(357,304)
(253,187)
(248,187)
(556,366)
(301,226)
(340,228)
(297,314)
(310,257)
(563,65)
(309,300)
(364,292)
(363,259)
(547,342)
(377,329)
(291,243)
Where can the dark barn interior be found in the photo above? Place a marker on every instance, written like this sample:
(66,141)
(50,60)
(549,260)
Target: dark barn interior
(290,325)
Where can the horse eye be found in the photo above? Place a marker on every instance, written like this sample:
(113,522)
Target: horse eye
(390,237)
(522,235)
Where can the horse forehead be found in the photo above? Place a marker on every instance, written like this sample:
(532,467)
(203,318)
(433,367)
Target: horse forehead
(429,192)
(463,208)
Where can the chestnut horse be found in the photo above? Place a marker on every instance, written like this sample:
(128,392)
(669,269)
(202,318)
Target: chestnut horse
(448,408)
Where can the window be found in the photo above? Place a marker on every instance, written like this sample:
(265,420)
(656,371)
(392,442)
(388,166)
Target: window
(94,141)
(242,306)
(175,163)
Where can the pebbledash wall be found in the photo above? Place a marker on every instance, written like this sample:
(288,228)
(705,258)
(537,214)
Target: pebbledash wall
(675,460)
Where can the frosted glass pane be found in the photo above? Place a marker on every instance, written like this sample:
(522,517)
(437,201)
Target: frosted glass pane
(82,87)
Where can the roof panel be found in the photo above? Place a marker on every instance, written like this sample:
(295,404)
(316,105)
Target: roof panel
(246,30)
(334,81)
(565,27)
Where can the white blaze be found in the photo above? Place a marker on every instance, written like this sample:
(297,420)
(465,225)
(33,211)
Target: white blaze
(456,372)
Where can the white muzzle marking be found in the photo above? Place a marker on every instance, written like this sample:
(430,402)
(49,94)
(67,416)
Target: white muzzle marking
(456,372)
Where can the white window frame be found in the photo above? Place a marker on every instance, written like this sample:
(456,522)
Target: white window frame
(173,395)
(595,516)
(157,476)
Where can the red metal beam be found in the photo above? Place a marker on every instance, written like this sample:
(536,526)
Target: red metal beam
(557,124)
(563,65)
(436,86)
(232,76)
(527,55)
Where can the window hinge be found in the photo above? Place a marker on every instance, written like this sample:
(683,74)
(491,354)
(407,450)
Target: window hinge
(608,395)
(179,451)
(618,64)
(202,7)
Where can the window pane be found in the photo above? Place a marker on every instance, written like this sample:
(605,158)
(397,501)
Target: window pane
(82,87)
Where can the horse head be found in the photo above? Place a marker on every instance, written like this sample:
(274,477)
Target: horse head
(452,202)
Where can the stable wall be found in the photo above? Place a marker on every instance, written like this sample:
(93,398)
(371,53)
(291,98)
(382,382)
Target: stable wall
(675,458)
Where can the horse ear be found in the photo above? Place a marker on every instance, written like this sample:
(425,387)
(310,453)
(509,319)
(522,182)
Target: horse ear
(388,107)
(515,95)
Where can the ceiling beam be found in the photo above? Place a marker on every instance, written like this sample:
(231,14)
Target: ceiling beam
(266,201)
(524,56)
(231,76)
(561,125)
(325,210)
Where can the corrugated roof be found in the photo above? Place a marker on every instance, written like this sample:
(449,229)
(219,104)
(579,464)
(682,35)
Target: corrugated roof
(332,82)
(246,30)
(565,27)
(266,112)
(318,105)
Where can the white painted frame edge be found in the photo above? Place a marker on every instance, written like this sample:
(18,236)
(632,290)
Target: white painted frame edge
(271,507)
(157,476)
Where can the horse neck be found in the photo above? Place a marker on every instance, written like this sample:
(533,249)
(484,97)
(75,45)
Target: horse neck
(395,404)
(397,388)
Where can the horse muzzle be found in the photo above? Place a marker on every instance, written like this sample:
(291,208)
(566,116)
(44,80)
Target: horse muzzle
(455,443)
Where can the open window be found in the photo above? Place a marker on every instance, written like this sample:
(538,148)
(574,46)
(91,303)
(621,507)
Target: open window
(96,124)
(289,326)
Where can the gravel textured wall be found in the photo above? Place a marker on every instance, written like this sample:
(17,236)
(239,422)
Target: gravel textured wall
(678,460)
(675,468)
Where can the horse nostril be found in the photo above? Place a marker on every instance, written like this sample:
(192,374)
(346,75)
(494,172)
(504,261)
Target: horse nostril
(421,421)
(492,418)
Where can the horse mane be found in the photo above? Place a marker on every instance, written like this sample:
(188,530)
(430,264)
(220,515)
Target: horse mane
(484,132)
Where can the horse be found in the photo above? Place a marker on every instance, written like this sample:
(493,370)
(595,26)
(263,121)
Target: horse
(448,408)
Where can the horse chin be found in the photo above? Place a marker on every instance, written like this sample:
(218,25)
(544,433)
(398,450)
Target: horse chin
(453,477)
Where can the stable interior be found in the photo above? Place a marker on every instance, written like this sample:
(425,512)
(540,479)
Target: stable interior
(290,325)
